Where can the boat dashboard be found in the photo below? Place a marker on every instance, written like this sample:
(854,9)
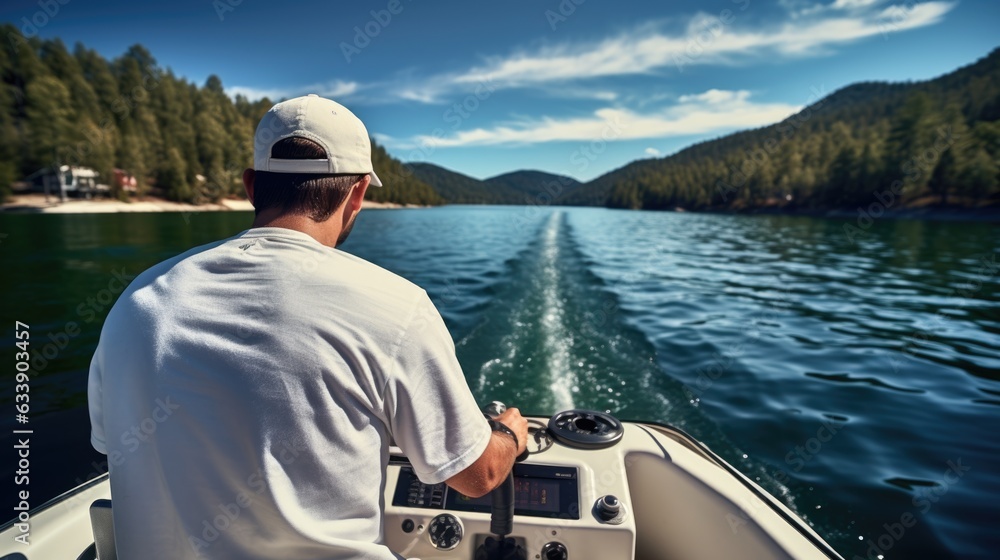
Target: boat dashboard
(570,496)
(596,488)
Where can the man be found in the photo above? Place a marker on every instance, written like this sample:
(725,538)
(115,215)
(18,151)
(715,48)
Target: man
(246,392)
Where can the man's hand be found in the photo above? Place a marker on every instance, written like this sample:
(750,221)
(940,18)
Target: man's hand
(495,463)
(512,419)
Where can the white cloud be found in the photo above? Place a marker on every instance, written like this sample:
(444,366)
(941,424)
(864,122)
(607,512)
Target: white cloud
(582,93)
(809,28)
(716,96)
(333,89)
(653,152)
(844,5)
(707,40)
(853,4)
(707,112)
(383,139)
(422,96)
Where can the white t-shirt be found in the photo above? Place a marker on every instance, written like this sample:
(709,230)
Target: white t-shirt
(246,393)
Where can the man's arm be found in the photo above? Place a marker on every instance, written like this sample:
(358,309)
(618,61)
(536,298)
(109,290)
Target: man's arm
(492,467)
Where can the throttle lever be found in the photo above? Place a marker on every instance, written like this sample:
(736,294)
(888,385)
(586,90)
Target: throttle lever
(496,408)
(502,513)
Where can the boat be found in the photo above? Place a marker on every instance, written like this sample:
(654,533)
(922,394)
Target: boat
(590,487)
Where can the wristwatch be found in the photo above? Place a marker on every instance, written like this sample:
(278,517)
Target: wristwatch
(497,426)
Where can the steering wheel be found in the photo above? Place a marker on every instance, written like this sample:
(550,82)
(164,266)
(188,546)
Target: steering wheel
(586,429)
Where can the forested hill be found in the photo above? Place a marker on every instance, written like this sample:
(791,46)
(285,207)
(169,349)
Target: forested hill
(934,142)
(517,187)
(179,140)
(456,188)
(532,183)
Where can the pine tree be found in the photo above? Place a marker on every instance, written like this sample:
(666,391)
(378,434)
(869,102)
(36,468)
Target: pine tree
(10,136)
(945,175)
(981,176)
(172,177)
(842,185)
(49,122)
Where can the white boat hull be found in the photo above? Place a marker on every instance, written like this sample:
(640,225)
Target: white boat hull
(679,500)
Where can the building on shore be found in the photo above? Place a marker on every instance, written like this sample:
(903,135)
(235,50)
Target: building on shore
(125,181)
(68,180)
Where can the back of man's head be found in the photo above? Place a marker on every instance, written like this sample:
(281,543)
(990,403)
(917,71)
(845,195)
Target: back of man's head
(315,195)
(309,152)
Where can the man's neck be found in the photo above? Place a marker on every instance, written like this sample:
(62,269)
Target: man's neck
(326,232)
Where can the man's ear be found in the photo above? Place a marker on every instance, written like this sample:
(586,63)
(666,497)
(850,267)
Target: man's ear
(358,194)
(248,176)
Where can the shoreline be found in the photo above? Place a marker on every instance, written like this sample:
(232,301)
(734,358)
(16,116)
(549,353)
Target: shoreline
(36,204)
(924,213)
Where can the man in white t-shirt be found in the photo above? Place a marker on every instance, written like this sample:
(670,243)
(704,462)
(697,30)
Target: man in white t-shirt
(246,392)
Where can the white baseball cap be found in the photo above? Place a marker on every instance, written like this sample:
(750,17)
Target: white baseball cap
(331,125)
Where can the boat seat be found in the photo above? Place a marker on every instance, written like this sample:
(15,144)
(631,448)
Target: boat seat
(104,529)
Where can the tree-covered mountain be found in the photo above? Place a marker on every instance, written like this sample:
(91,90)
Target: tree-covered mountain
(535,185)
(518,187)
(456,188)
(401,185)
(933,142)
(177,139)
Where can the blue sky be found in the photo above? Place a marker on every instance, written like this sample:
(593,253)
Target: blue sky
(578,87)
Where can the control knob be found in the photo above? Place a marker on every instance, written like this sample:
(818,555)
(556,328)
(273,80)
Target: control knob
(608,509)
(554,551)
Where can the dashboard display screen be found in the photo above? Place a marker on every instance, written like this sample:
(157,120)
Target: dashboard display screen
(539,491)
(531,494)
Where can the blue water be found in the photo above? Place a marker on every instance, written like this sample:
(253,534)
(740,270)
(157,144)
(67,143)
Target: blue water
(858,382)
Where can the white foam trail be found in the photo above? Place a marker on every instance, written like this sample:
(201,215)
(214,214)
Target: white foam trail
(556,338)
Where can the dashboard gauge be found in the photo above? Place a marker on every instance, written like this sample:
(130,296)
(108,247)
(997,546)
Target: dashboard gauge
(445,531)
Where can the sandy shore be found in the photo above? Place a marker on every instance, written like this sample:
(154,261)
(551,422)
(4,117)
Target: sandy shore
(36,204)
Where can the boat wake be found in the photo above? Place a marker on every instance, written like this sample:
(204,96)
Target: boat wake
(555,337)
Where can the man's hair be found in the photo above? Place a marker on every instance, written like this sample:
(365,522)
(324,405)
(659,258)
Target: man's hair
(314,194)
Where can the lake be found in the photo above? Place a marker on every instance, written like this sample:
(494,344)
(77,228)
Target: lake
(856,377)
